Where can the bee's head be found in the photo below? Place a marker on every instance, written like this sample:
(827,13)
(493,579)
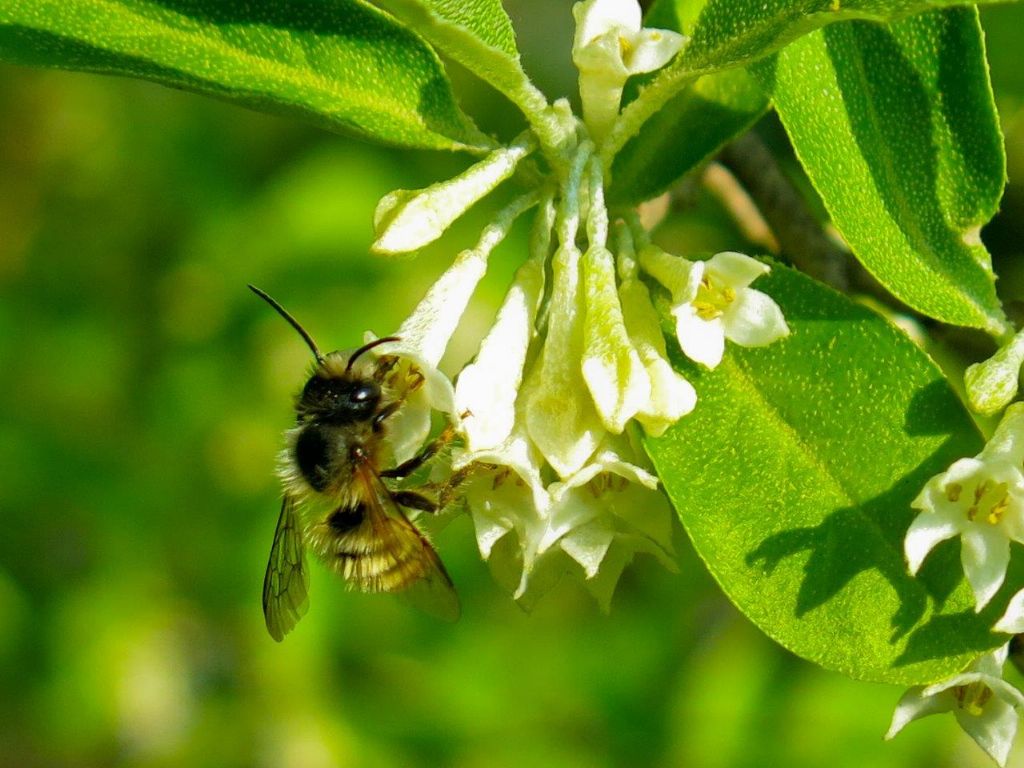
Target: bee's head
(337,393)
(342,388)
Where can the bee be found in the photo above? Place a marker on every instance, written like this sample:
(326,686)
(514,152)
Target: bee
(336,501)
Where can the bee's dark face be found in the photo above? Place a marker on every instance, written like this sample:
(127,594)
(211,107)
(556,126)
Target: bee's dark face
(339,400)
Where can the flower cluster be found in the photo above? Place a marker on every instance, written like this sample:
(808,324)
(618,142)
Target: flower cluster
(981,500)
(576,361)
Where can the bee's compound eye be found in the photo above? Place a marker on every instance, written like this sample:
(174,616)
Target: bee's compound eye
(367,392)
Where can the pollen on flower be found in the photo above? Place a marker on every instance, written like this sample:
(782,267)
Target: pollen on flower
(990,502)
(972,698)
(713,298)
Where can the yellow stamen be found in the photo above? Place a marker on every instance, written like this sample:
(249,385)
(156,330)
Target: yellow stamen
(972,698)
(712,299)
(991,500)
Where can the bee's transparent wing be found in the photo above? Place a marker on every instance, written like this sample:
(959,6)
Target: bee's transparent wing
(431,589)
(286,585)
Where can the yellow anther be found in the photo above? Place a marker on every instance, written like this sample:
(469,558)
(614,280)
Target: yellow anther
(625,48)
(712,299)
(972,698)
(953,491)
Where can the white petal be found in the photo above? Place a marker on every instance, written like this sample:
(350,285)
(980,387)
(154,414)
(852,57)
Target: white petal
(588,544)
(563,424)
(518,454)
(1008,440)
(991,663)
(597,17)
(993,730)
(1012,621)
(914,705)
(927,531)
(985,553)
(736,269)
(408,220)
(488,387)
(409,427)
(681,277)
(603,584)
(488,532)
(427,331)
(753,319)
(702,341)
(612,367)
(672,396)
(652,49)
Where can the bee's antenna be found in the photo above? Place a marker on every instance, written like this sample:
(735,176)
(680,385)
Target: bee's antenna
(367,348)
(292,321)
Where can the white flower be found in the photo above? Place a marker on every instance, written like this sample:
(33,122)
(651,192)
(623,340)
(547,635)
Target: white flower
(712,302)
(671,395)
(504,491)
(615,374)
(598,519)
(609,46)
(982,501)
(425,334)
(486,390)
(984,705)
(561,421)
(407,220)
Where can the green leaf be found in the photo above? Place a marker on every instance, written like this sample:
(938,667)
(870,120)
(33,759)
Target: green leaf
(794,477)
(897,129)
(339,63)
(478,35)
(696,123)
(731,33)
(688,130)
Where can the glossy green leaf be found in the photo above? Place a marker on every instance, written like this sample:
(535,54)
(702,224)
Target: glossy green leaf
(340,63)
(731,33)
(478,35)
(794,476)
(898,131)
(690,128)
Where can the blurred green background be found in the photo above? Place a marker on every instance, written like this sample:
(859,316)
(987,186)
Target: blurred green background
(142,397)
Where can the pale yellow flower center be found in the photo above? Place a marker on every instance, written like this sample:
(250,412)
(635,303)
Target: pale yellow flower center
(988,502)
(972,698)
(713,298)
(625,48)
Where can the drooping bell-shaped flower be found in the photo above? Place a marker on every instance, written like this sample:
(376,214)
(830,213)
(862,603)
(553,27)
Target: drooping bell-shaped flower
(984,705)
(425,334)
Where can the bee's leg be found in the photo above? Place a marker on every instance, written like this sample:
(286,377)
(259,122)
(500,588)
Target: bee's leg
(447,490)
(386,412)
(451,486)
(414,500)
(406,468)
